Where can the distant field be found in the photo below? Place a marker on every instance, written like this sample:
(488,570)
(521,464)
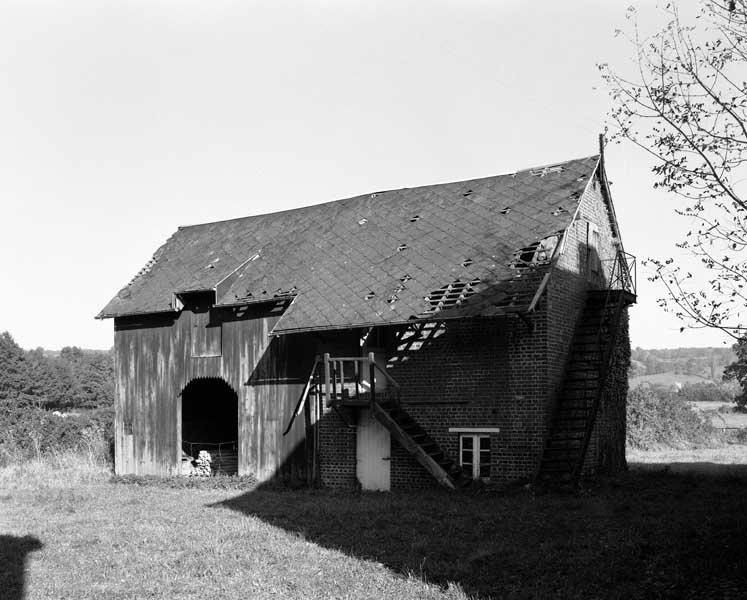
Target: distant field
(666,379)
(649,535)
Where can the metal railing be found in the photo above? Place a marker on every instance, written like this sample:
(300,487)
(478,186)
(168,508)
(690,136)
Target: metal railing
(620,272)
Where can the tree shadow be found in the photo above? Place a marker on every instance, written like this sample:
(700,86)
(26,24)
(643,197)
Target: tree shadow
(13,552)
(639,536)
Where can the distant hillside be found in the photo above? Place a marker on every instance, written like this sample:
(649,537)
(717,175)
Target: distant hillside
(678,363)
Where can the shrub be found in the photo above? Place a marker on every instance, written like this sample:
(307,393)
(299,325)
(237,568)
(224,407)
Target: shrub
(32,432)
(707,392)
(663,420)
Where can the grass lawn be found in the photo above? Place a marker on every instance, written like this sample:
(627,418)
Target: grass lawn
(645,535)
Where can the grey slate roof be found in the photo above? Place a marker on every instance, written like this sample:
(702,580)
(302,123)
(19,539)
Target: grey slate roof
(373,259)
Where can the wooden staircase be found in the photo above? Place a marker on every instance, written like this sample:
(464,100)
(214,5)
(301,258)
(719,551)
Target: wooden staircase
(592,351)
(345,385)
(417,442)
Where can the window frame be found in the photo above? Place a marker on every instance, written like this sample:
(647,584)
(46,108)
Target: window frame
(476,448)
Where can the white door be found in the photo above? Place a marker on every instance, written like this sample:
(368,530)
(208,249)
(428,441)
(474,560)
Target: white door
(373,450)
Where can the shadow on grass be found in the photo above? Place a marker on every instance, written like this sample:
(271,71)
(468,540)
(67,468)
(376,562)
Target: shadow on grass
(13,551)
(640,536)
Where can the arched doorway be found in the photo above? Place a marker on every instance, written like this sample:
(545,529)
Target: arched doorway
(210,422)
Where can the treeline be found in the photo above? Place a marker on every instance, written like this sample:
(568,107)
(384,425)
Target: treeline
(66,381)
(701,362)
(54,402)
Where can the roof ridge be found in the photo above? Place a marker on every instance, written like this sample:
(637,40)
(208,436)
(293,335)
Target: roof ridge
(594,157)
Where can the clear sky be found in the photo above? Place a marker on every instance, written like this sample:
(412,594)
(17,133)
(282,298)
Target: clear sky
(120,121)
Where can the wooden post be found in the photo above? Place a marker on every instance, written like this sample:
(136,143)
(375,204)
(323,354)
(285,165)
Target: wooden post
(372,377)
(326,378)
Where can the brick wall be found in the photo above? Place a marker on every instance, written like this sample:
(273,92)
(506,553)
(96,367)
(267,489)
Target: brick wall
(495,373)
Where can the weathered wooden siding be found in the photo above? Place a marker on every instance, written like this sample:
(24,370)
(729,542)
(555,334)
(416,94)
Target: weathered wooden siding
(153,364)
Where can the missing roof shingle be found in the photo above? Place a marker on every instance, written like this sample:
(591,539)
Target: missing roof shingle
(370,295)
(401,247)
(405,278)
(467,262)
(559,211)
(547,170)
(414,218)
(450,295)
(362,221)
(467,194)
(505,211)
(281,293)
(582,178)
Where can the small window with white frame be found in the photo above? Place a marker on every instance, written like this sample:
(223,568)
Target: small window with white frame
(474,454)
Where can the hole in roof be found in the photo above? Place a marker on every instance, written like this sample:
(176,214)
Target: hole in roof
(405,278)
(414,218)
(370,295)
(362,221)
(467,262)
(450,295)
(467,194)
(547,170)
(506,210)
(401,247)
(505,302)
(536,253)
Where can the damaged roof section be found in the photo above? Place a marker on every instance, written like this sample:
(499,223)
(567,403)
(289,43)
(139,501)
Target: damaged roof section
(477,247)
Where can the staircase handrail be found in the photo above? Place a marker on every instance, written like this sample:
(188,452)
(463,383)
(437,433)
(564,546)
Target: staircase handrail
(304,395)
(606,352)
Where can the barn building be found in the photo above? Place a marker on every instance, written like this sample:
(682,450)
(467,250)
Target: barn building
(399,339)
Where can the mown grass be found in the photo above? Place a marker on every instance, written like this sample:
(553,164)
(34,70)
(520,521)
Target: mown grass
(641,536)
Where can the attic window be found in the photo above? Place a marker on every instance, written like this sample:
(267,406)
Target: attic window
(506,210)
(401,247)
(450,295)
(467,262)
(547,170)
(206,333)
(414,218)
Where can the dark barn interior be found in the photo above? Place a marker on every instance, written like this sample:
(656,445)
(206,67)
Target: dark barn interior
(210,422)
